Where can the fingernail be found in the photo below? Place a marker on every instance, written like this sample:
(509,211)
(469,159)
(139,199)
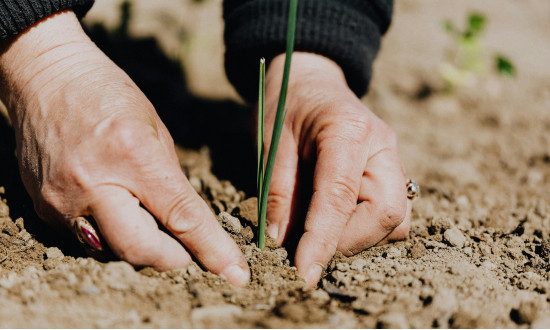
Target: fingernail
(314,274)
(273,231)
(236,275)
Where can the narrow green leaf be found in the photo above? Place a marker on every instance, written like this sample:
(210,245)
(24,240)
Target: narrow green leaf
(261,115)
(278,124)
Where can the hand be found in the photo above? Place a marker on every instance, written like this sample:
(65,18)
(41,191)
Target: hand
(358,194)
(89,143)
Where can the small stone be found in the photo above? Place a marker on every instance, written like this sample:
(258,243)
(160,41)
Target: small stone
(439,225)
(320,295)
(392,320)
(454,237)
(230,190)
(343,267)
(196,183)
(463,201)
(215,312)
(393,253)
(360,277)
(417,250)
(468,251)
(359,264)
(54,253)
(89,289)
(4,210)
(229,222)
(534,178)
(341,277)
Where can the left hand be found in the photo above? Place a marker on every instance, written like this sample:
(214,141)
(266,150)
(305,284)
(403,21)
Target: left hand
(358,194)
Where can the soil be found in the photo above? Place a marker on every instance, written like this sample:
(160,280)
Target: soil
(479,247)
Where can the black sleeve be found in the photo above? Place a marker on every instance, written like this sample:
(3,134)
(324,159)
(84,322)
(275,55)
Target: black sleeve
(17,15)
(346,31)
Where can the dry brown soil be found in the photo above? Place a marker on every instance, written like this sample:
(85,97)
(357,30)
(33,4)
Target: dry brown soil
(478,252)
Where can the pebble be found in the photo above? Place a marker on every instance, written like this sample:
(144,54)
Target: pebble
(463,201)
(196,183)
(89,290)
(393,253)
(440,225)
(468,251)
(215,312)
(54,253)
(359,264)
(320,295)
(454,237)
(343,267)
(392,320)
(360,277)
(417,250)
(229,222)
(4,210)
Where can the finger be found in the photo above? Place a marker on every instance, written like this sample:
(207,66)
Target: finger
(401,232)
(282,199)
(336,184)
(171,198)
(383,205)
(132,233)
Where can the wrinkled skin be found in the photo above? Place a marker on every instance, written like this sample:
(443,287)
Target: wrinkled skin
(358,197)
(89,143)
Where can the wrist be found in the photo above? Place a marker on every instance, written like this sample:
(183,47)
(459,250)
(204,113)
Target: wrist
(307,69)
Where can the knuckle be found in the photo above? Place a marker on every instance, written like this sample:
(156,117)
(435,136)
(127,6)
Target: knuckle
(181,216)
(277,200)
(343,193)
(128,138)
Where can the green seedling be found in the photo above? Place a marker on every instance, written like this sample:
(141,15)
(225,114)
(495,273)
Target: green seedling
(264,172)
(465,61)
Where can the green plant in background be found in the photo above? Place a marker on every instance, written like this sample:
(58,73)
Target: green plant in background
(466,60)
(264,176)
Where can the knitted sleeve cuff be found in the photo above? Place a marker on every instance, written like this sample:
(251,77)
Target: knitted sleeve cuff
(346,31)
(17,15)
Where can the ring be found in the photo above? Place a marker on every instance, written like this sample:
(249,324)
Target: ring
(87,235)
(413,189)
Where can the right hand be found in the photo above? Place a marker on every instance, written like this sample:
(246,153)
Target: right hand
(89,143)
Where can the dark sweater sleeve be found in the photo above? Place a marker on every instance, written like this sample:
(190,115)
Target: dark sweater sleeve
(17,15)
(346,31)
